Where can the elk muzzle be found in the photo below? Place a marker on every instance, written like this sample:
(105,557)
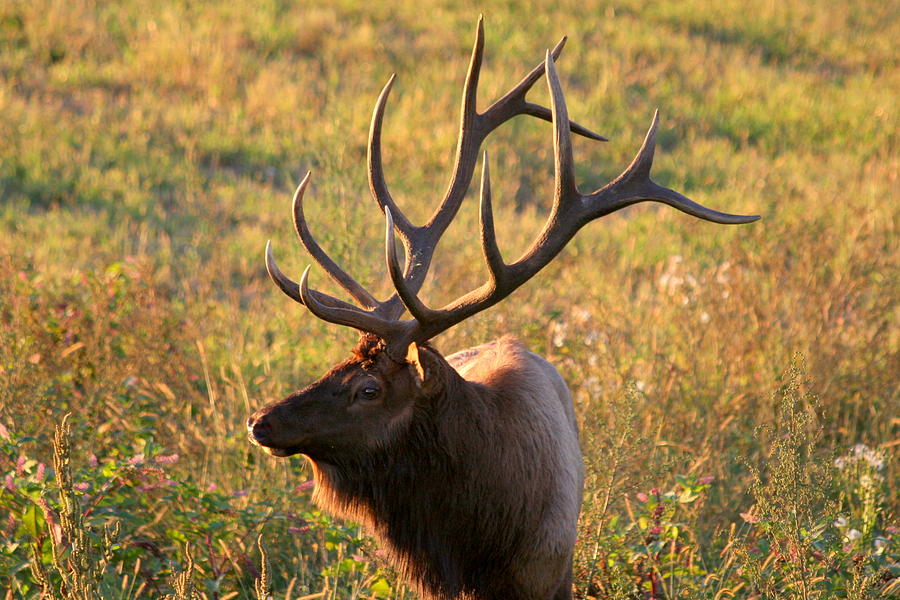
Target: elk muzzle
(263,429)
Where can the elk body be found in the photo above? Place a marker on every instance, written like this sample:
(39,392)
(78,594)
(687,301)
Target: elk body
(466,468)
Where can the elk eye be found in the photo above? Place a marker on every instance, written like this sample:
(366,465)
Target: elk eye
(367,393)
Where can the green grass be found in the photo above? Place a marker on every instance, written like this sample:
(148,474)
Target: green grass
(150,150)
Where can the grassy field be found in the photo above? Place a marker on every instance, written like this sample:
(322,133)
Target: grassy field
(737,386)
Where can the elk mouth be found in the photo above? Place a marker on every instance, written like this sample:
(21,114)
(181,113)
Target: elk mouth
(274,450)
(282,452)
(258,434)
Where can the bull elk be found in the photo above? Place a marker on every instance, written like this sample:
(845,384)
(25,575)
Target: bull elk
(466,468)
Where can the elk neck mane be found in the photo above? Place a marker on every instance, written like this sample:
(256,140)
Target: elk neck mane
(415,493)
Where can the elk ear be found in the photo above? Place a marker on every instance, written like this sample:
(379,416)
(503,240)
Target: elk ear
(412,357)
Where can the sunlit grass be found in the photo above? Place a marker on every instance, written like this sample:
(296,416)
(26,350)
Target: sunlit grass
(150,149)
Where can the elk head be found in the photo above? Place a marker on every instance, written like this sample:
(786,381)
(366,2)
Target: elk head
(360,404)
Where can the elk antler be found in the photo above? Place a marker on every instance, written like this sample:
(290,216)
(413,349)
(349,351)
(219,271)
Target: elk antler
(571,210)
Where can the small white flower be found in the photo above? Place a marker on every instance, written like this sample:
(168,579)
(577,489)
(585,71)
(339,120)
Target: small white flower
(840,462)
(852,535)
(581,314)
(840,522)
(704,317)
(559,335)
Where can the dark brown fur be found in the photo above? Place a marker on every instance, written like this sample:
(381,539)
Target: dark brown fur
(462,479)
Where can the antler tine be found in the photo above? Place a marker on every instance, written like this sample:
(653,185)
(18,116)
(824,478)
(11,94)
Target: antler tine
(492,255)
(564,163)
(349,315)
(468,141)
(334,271)
(284,283)
(377,183)
(513,102)
(292,288)
(634,185)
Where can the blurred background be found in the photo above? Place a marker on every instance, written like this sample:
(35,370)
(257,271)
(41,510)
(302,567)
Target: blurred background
(737,386)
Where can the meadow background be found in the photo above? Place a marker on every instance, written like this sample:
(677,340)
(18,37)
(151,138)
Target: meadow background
(737,386)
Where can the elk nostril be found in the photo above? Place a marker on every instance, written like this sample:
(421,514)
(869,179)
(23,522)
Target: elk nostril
(259,431)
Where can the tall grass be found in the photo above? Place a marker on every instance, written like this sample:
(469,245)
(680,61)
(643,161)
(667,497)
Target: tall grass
(149,151)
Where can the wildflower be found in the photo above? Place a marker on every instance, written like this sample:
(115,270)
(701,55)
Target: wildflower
(306,485)
(50,517)
(840,522)
(9,483)
(642,497)
(82,486)
(707,480)
(852,535)
(92,461)
(167,460)
(581,314)
(39,474)
(861,453)
(4,432)
(704,318)
(559,335)
(20,465)
(212,487)
(655,531)
(136,459)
